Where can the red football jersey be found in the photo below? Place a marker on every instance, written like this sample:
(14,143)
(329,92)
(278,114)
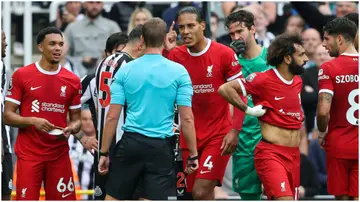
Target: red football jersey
(43,94)
(340,77)
(208,70)
(280,97)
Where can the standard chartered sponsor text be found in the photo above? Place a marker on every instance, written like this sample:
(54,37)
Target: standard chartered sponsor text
(203,88)
(52,107)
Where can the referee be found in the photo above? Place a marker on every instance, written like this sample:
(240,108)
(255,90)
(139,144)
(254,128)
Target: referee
(150,85)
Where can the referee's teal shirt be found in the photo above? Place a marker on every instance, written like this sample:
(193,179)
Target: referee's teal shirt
(150,86)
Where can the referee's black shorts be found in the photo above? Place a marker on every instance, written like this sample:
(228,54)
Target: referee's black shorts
(138,157)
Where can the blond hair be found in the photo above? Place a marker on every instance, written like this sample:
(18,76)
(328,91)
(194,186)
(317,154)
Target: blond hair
(133,16)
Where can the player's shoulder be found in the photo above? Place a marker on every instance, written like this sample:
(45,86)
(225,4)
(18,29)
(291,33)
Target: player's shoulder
(69,75)
(26,69)
(179,50)
(257,76)
(220,48)
(297,80)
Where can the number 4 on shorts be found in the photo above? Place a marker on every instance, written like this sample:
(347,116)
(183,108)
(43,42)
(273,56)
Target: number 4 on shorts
(208,163)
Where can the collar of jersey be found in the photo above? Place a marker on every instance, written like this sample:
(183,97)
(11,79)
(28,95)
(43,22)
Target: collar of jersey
(47,72)
(203,51)
(282,78)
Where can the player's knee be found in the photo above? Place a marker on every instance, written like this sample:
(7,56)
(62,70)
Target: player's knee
(200,193)
(285,198)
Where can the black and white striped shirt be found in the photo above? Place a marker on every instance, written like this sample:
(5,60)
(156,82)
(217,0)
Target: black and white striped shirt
(89,95)
(104,75)
(5,130)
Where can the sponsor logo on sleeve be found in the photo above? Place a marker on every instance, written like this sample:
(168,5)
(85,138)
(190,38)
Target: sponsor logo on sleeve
(251,77)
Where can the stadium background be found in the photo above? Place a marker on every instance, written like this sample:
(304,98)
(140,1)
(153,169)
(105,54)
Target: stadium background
(21,21)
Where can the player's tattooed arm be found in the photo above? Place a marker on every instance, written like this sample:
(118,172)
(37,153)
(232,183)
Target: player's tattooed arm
(231,92)
(323,110)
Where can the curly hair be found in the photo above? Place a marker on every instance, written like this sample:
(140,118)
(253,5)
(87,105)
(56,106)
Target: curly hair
(282,46)
(341,26)
(240,16)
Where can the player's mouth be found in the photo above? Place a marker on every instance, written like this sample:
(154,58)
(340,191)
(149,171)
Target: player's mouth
(187,40)
(56,55)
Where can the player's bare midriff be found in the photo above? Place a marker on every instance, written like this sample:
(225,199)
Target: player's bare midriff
(280,136)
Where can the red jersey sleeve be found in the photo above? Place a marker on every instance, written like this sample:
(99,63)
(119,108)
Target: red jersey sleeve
(16,89)
(324,79)
(230,64)
(251,85)
(76,98)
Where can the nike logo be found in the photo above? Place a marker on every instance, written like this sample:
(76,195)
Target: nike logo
(279,98)
(202,172)
(63,196)
(32,88)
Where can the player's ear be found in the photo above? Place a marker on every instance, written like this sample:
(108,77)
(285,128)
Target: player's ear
(203,25)
(252,29)
(339,39)
(287,59)
(40,47)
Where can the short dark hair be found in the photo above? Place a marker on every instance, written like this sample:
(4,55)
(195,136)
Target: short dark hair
(48,30)
(154,32)
(341,26)
(136,33)
(241,16)
(353,17)
(115,40)
(191,10)
(282,46)
(213,14)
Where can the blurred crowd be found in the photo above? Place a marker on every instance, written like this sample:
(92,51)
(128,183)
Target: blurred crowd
(87,25)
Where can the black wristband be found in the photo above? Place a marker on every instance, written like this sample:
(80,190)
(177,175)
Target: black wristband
(103,153)
(193,158)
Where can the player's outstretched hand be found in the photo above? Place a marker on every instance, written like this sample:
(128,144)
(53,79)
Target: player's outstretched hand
(229,142)
(43,125)
(257,111)
(170,39)
(103,166)
(89,143)
(192,165)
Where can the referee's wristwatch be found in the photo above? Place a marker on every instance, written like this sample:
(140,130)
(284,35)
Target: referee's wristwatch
(103,153)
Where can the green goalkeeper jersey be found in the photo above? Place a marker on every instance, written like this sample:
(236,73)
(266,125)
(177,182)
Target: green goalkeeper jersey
(250,133)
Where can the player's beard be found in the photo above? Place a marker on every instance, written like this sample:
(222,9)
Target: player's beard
(334,52)
(54,62)
(296,69)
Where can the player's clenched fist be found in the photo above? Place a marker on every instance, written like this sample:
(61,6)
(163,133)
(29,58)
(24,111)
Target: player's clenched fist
(192,164)
(255,111)
(43,124)
(103,166)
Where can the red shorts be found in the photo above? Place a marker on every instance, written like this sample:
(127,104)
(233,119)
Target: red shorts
(57,177)
(278,168)
(343,176)
(211,164)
